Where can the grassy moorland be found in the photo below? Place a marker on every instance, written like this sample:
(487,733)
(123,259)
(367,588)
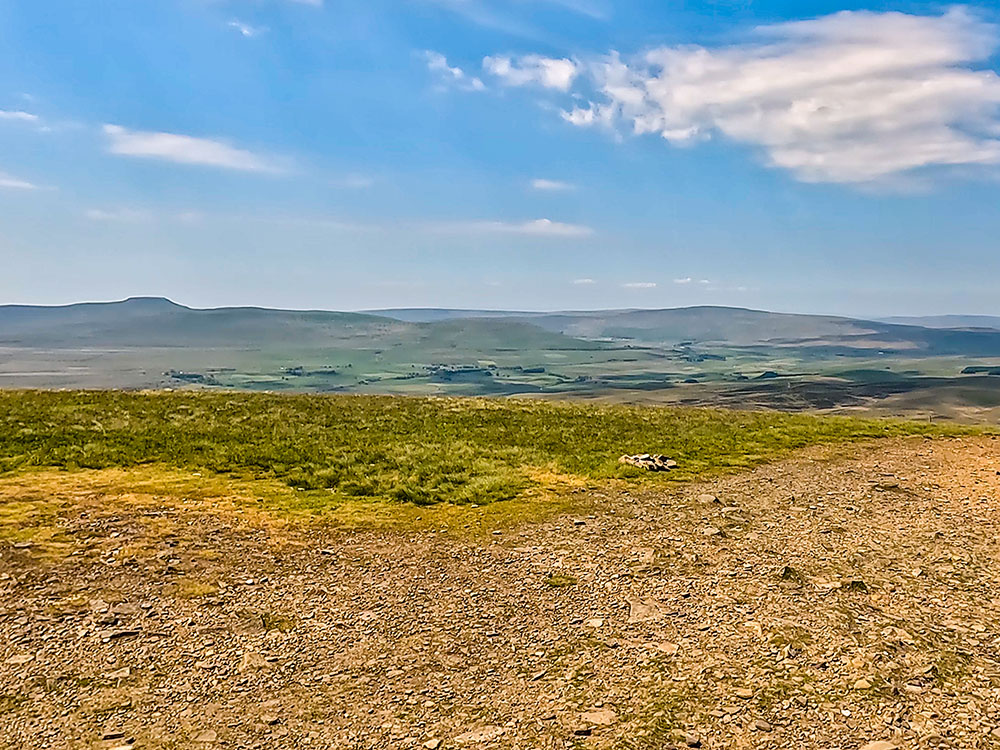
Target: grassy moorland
(417,450)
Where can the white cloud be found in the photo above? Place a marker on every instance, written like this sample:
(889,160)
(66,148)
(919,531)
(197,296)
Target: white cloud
(551,185)
(183,149)
(685,280)
(640,285)
(583,282)
(453,76)
(8,182)
(246,29)
(17,116)
(313,3)
(549,72)
(117,214)
(535,228)
(851,97)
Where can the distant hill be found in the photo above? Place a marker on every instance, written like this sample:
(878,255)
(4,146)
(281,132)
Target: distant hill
(949,321)
(158,322)
(730,326)
(153,321)
(436,314)
(471,334)
(150,342)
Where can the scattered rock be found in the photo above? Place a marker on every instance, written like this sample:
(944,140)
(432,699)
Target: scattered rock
(113,635)
(19,659)
(649,461)
(251,660)
(643,610)
(880,745)
(486,734)
(862,684)
(600,717)
(433,744)
(208,735)
(762,726)
(788,573)
(743,693)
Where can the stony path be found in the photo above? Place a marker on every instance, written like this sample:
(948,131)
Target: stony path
(840,600)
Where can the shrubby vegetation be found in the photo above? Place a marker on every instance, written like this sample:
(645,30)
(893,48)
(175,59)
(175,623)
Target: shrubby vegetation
(419,450)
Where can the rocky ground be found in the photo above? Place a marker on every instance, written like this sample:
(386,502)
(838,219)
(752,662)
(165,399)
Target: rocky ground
(844,599)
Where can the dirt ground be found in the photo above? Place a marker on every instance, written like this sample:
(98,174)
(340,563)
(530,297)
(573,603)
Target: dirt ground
(847,598)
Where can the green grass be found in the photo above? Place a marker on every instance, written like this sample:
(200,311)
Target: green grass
(419,450)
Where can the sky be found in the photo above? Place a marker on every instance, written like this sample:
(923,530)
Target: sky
(807,156)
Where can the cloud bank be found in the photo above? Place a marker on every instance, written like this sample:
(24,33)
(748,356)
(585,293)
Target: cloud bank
(852,97)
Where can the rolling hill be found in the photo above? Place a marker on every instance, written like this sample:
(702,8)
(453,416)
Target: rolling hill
(807,360)
(948,321)
(739,327)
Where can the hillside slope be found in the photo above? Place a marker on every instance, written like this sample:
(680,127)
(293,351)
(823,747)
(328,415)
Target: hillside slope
(158,322)
(740,327)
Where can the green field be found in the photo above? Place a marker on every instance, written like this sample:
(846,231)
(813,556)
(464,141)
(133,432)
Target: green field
(417,450)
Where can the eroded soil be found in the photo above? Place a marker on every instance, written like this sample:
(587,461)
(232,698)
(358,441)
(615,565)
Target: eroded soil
(845,597)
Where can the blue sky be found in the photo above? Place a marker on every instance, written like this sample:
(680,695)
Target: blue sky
(528,154)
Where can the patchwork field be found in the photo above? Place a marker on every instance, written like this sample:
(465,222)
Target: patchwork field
(700,356)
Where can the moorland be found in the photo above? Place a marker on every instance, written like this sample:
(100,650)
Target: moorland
(264,528)
(245,570)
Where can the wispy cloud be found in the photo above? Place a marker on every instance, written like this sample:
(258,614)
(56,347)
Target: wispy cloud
(540,183)
(118,214)
(8,182)
(852,97)
(18,116)
(551,73)
(639,285)
(583,282)
(184,149)
(451,75)
(501,14)
(685,280)
(246,29)
(313,3)
(596,9)
(535,228)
